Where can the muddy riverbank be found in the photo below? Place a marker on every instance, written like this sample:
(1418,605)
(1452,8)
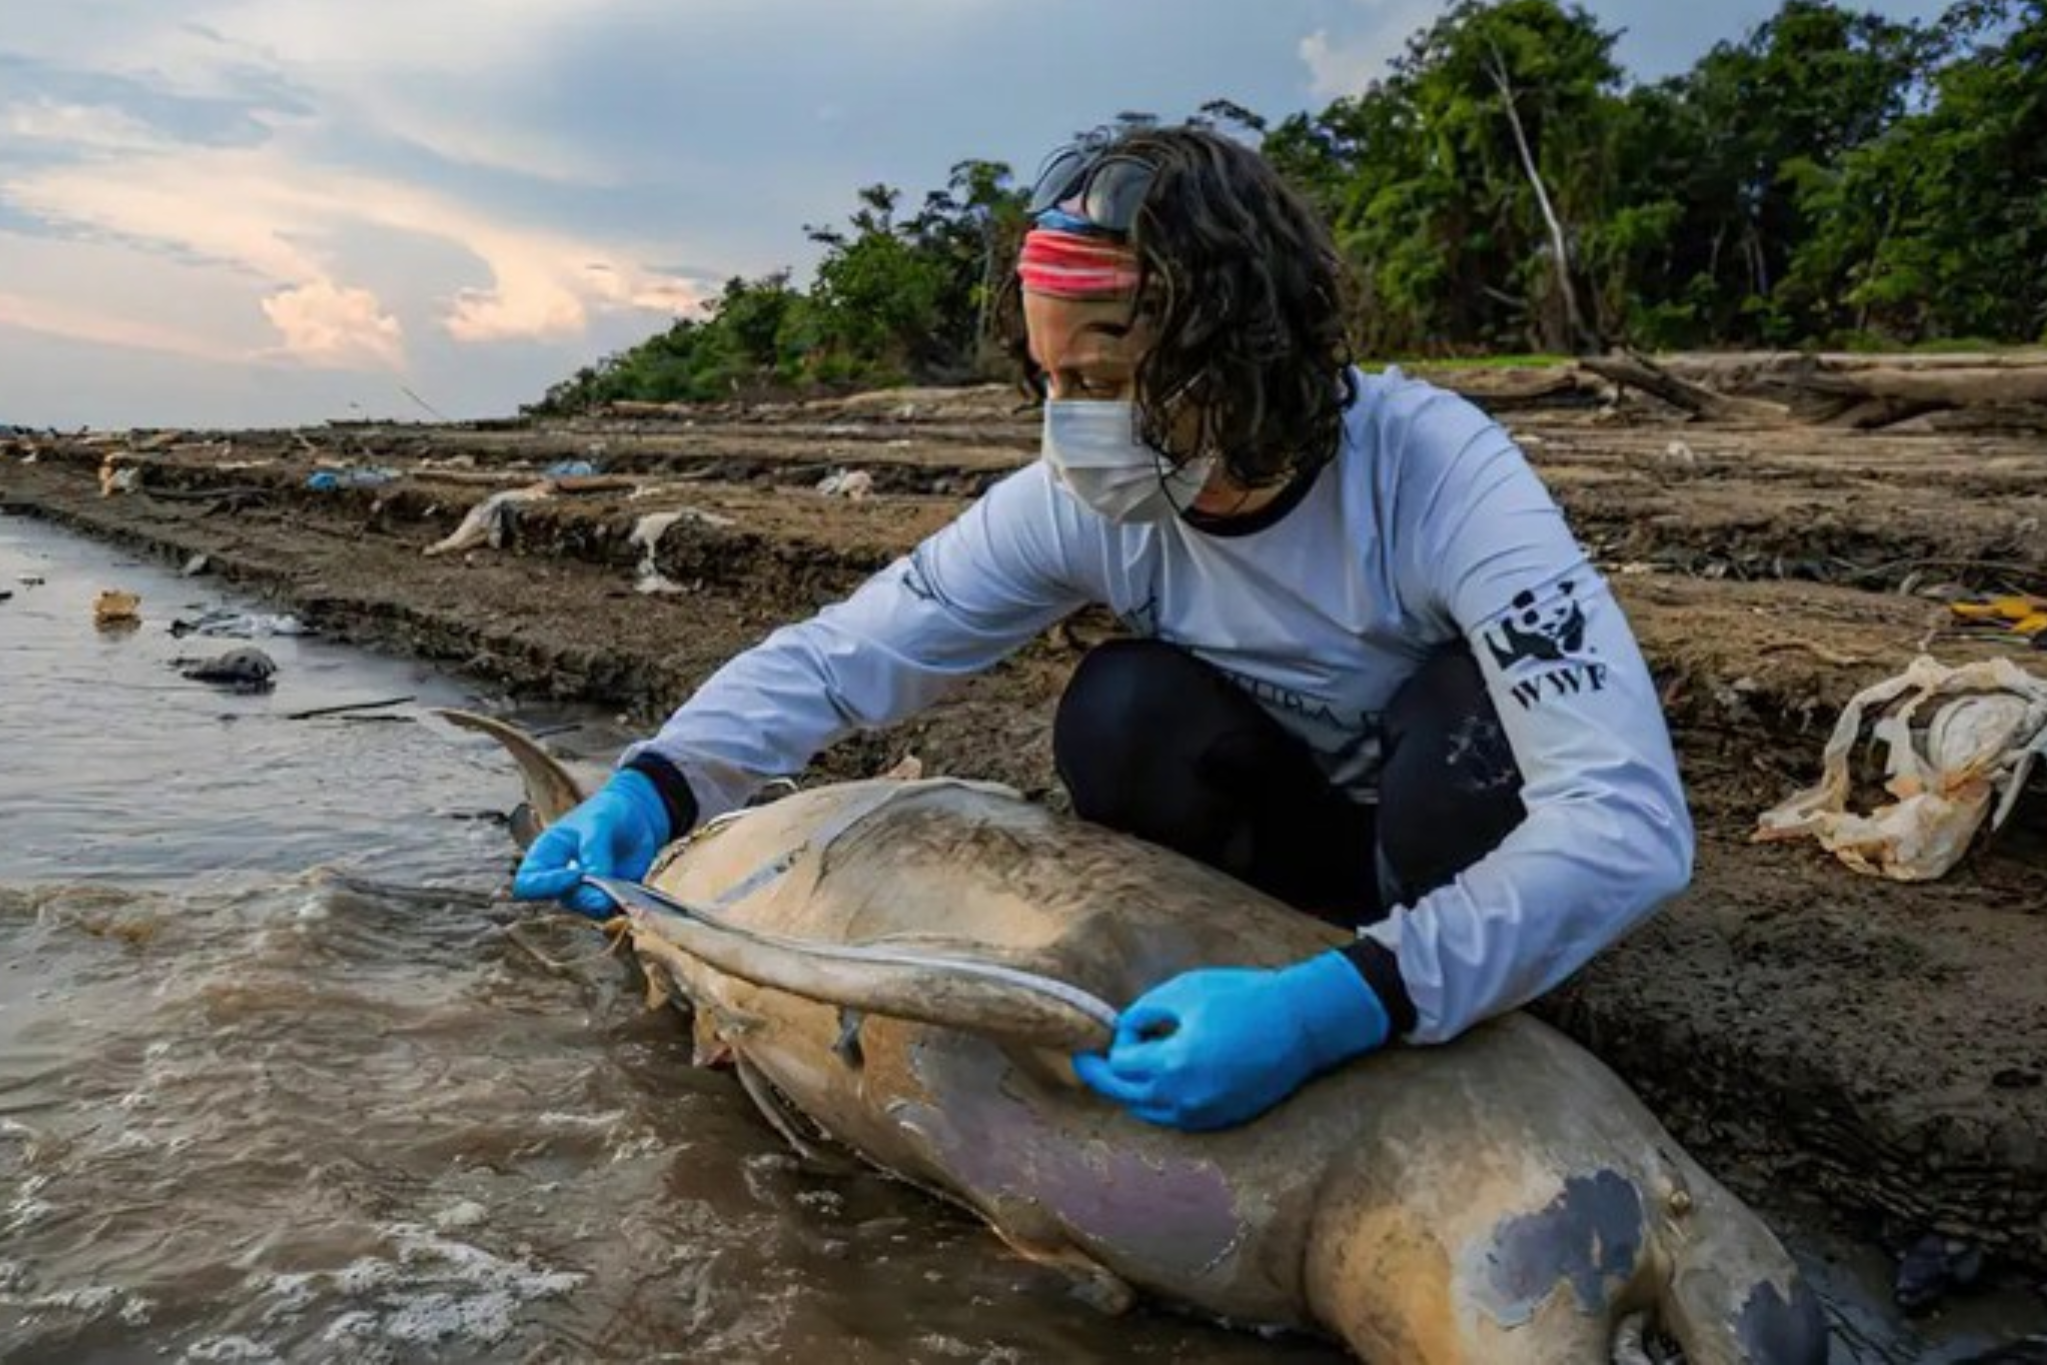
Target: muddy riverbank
(1877,1047)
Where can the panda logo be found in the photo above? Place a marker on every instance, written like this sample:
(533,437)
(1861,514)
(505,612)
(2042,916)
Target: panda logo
(1542,632)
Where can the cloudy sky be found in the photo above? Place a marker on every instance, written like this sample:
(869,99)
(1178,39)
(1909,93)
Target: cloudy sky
(240,212)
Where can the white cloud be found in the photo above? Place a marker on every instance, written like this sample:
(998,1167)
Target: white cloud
(85,128)
(326,324)
(270,211)
(1346,65)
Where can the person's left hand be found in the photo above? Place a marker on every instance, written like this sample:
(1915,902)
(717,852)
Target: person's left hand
(1219,1046)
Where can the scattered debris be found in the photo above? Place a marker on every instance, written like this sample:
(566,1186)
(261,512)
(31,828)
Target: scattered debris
(1954,740)
(571,469)
(117,610)
(647,533)
(2024,617)
(118,478)
(328,480)
(1632,370)
(196,565)
(31,580)
(851,484)
(595,483)
(226,623)
(6,594)
(241,670)
(490,521)
(348,707)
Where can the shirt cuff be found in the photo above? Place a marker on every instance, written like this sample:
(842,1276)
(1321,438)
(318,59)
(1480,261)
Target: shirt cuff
(1381,970)
(676,797)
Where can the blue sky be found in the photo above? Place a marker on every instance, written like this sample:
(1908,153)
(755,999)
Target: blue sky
(244,212)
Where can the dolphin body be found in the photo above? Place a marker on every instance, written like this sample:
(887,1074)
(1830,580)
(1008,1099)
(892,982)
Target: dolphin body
(1501,1200)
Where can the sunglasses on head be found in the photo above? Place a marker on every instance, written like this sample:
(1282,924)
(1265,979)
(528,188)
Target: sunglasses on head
(1084,187)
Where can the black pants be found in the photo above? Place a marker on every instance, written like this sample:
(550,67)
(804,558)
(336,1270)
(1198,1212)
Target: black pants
(1152,741)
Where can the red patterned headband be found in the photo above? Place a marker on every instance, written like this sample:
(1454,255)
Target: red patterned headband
(1073,265)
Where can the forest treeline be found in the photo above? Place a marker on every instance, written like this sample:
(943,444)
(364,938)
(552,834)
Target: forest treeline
(1832,178)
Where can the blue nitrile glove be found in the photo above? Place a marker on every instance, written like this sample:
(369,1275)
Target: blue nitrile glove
(1219,1046)
(614,833)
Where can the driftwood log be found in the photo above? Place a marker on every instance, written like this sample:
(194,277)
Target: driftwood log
(1856,392)
(1632,371)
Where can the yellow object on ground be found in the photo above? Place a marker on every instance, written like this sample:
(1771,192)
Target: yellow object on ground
(116,608)
(2026,615)
(2023,616)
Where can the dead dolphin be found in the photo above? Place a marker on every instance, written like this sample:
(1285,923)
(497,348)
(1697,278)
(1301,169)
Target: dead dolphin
(1503,1200)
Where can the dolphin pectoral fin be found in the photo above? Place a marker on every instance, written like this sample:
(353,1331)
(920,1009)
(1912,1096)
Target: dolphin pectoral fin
(786,1121)
(552,791)
(1093,1283)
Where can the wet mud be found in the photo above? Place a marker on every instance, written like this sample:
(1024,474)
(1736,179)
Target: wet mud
(1875,1050)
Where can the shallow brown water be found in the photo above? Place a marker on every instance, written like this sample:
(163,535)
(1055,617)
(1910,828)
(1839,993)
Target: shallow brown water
(247,1114)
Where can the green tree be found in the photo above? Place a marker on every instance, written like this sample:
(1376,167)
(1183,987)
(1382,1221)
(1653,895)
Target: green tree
(1776,114)
(1462,185)
(1938,228)
(1830,175)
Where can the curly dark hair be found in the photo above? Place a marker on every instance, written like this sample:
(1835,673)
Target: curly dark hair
(1241,288)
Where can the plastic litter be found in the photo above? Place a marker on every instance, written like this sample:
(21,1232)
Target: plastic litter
(490,521)
(114,609)
(1955,740)
(571,469)
(854,485)
(329,480)
(226,623)
(2022,617)
(647,533)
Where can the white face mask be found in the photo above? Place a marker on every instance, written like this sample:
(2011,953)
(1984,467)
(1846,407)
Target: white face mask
(1094,451)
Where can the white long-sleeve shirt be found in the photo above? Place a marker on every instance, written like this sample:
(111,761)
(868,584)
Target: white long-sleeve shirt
(1428,525)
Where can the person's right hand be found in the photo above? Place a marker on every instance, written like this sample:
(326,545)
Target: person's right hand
(615,833)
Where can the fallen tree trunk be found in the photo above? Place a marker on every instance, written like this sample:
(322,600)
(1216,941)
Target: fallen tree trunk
(1847,363)
(1869,399)
(1959,388)
(1851,392)
(627,407)
(1638,372)
(1517,390)
(2030,419)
